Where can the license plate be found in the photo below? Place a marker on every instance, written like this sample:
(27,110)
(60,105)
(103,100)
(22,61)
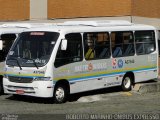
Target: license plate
(20,91)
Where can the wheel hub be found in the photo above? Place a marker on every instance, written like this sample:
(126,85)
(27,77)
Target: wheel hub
(127,82)
(59,94)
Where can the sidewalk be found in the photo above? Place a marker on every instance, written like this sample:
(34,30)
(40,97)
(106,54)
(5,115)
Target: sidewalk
(146,87)
(152,86)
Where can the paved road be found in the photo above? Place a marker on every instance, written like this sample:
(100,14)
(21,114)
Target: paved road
(87,103)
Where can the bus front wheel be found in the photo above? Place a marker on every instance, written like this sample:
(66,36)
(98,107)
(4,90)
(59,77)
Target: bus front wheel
(126,83)
(60,94)
(1,88)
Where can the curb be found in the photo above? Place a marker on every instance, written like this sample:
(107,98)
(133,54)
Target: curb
(142,88)
(152,86)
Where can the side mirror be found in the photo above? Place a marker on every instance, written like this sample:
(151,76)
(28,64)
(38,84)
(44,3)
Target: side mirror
(64,44)
(1,44)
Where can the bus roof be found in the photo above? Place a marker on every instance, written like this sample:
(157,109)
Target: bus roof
(98,23)
(24,25)
(92,26)
(19,27)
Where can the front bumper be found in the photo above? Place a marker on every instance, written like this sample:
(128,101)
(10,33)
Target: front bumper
(36,88)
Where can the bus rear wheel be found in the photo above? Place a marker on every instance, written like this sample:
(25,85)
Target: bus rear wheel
(60,94)
(126,83)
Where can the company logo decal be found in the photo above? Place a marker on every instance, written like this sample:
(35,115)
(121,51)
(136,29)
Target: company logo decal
(114,63)
(120,63)
(90,67)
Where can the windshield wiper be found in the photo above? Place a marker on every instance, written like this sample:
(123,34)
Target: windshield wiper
(17,62)
(34,63)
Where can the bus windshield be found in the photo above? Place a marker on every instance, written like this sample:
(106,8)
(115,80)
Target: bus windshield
(32,49)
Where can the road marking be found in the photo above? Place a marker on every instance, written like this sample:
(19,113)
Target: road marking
(127,93)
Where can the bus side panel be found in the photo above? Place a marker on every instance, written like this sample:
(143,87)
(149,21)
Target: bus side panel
(93,84)
(86,85)
(96,74)
(90,75)
(147,67)
(84,75)
(145,76)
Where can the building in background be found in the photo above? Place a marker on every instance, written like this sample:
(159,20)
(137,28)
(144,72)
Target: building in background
(11,10)
(138,11)
(88,8)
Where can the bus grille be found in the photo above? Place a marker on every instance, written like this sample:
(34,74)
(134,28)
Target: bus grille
(20,79)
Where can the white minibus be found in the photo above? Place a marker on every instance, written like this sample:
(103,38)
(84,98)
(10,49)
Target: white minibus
(77,56)
(8,33)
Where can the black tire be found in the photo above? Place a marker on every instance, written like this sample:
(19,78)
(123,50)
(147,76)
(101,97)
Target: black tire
(60,94)
(1,88)
(127,83)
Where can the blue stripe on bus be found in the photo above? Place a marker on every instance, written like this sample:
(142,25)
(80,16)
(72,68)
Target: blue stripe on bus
(91,77)
(106,75)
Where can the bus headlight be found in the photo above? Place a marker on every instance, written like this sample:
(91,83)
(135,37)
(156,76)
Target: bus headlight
(42,79)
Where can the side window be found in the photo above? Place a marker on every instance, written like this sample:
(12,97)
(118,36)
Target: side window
(159,42)
(145,42)
(7,43)
(73,52)
(122,44)
(159,47)
(96,45)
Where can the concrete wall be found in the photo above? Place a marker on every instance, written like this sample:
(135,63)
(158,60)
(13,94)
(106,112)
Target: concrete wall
(146,12)
(38,9)
(14,9)
(146,20)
